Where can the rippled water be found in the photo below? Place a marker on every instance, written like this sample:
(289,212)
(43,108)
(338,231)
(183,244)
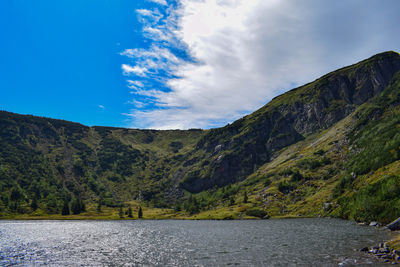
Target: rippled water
(295,242)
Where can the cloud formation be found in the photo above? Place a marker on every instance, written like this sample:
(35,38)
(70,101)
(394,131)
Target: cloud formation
(213,61)
(161,2)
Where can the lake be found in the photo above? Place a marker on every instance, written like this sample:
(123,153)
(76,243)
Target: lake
(290,242)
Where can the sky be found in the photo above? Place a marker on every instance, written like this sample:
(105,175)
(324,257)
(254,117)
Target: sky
(177,64)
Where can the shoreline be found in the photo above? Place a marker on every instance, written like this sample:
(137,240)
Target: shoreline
(387,252)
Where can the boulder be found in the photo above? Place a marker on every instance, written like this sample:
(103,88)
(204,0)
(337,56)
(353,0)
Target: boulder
(395,225)
(266,217)
(373,224)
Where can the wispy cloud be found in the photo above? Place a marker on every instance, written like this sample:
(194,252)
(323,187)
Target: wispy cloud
(149,16)
(161,2)
(101,106)
(139,71)
(135,84)
(212,61)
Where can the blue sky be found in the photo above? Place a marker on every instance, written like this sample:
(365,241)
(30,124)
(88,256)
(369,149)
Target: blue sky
(177,64)
(61,58)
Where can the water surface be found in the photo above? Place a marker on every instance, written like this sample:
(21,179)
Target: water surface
(294,242)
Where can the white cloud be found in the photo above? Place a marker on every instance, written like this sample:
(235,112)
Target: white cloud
(248,51)
(138,104)
(149,16)
(139,71)
(161,2)
(135,84)
(101,106)
(155,53)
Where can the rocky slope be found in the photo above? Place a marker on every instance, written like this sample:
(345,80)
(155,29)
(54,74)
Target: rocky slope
(319,149)
(235,151)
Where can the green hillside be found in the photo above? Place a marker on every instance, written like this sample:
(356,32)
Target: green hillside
(328,148)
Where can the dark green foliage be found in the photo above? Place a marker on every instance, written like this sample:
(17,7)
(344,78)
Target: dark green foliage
(177,207)
(121,212)
(267,182)
(44,159)
(77,206)
(175,146)
(231,201)
(296,176)
(245,198)
(16,194)
(286,187)
(344,183)
(117,157)
(325,161)
(51,204)
(34,204)
(309,164)
(98,208)
(130,215)
(65,209)
(379,201)
(256,213)
(376,136)
(286,172)
(320,152)
(191,205)
(140,212)
(83,206)
(313,163)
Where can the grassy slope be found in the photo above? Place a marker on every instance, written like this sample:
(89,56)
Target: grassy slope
(52,160)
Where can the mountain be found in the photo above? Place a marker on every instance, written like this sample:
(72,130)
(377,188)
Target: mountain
(328,148)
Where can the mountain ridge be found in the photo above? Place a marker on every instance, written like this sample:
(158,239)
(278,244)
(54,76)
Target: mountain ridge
(280,125)
(51,162)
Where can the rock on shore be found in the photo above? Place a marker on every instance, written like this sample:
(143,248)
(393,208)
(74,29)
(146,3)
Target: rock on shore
(395,225)
(384,253)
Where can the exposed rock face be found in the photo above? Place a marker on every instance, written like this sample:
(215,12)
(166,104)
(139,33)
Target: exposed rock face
(250,141)
(336,95)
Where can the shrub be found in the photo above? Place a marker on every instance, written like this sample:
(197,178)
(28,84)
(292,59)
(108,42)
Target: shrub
(256,213)
(379,201)
(286,187)
(296,176)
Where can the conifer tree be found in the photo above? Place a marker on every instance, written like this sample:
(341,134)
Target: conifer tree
(65,209)
(34,204)
(140,213)
(99,206)
(245,199)
(130,212)
(121,212)
(76,206)
(82,205)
